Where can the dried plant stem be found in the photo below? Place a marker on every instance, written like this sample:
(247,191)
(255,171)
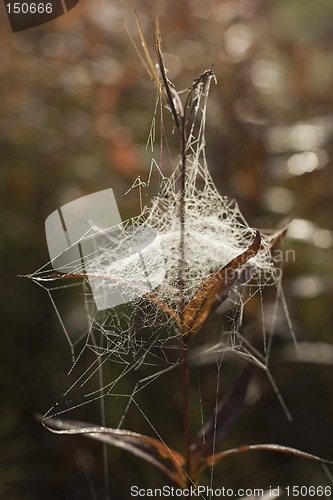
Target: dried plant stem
(182,284)
(186,406)
(179,115)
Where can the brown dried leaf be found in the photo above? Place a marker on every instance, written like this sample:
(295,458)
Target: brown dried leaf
(140,445)
(199,307)
(274,238)
(213,459)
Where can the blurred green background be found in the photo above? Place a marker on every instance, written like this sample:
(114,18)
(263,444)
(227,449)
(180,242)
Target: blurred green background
(75,112)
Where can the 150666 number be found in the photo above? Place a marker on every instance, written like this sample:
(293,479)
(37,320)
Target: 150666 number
(29,8)
(308,491)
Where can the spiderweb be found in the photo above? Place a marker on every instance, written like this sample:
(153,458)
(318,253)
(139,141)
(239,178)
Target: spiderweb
(121,350)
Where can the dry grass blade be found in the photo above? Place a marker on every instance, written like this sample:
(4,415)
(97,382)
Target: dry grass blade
(143,62)
(165,80)
(145,59)
(157,73)
(145,447)
(147,53)
(199,307)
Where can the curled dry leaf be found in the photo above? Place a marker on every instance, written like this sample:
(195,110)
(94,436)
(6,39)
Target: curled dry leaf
(213,459)
(150,449)
(199,307)
(274,238)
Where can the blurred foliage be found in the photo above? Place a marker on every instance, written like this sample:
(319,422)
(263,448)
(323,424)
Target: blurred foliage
(76,108)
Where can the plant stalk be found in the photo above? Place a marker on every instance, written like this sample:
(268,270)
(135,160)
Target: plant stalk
(180,122)
(182,284)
